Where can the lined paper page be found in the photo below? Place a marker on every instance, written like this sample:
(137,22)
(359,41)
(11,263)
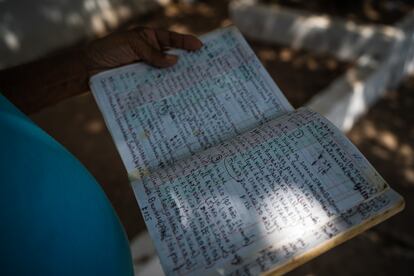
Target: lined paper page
(229,178)
(256,201)
(158,116)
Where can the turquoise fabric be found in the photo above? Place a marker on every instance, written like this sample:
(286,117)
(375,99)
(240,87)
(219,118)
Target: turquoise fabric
(54,217)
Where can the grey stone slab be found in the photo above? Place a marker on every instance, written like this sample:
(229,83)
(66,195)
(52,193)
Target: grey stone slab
(299,29)
(351,96)
(384,54)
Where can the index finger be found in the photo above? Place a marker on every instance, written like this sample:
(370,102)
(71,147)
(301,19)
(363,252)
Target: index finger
(176,40)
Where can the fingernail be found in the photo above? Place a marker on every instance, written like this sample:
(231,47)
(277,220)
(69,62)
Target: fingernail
(197,44)
(172,58)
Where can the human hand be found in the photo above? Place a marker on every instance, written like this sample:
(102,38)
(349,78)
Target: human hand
(139,44)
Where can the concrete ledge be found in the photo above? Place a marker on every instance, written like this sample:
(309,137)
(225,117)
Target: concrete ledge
(351,96)
(299,29)
(383,54)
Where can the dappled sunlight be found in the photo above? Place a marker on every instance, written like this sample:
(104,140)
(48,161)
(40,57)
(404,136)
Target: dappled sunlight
(286,54)
(303,27)
(386,135)
(267,55)
(180,28)
(320,33)
(363,11)
(245,200)
(295,52)
(299,74)
(196,17)
(356,105)
(44,26)
(296,236)
(389,140)
(95,126)
(376,70)
(201,9)
(11,40)
(387,146)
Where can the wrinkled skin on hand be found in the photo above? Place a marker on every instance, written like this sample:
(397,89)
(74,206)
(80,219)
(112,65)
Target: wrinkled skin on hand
(139,44)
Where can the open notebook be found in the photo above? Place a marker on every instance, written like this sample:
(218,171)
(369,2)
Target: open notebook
(230,179)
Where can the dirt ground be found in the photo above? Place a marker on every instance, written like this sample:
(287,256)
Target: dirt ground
(385,135)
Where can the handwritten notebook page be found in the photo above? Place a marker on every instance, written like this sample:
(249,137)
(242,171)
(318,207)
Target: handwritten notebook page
(158,116)
(262,199)
(229,179)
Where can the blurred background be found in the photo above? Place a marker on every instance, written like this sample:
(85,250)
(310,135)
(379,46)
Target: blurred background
(374,42)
